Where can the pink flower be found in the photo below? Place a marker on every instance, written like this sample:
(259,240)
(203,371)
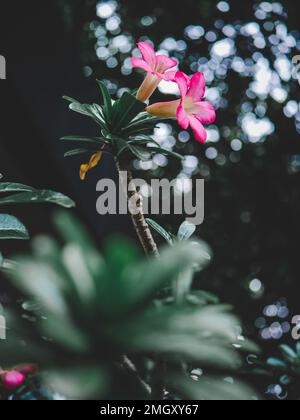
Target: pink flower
(157,66)
(13,379)
(27,369)
(190,110)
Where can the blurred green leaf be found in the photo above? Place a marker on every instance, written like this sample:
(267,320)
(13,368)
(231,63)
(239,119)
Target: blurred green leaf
(79,383)
(213,389)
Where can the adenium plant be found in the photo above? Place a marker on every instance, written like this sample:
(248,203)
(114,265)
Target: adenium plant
(126,125)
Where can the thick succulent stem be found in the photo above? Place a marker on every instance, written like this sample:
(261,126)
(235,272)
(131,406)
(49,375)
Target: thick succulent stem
(149,245)
(141,226)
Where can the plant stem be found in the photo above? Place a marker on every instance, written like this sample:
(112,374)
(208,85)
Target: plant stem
(141,226)
(149,245)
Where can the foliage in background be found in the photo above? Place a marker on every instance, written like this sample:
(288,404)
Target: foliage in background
(13,193)
(95,324)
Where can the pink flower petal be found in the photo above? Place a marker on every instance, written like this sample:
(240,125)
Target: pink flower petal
(12,380)
(140,64)
(182,117)
(197,87)
(170,75)
(205,112)
(199,130)
(164,63)
(181,80)
(164,109)
(148,54)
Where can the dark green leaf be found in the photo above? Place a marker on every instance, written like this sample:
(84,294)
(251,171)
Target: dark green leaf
(288,352)
(90,110)
(124,110)
(38,196)
(141,153)
(276,363)
(12,228)
(106,99)
(76,152)
(6,187)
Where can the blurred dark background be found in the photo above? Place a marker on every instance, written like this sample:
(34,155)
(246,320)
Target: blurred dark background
(251,162)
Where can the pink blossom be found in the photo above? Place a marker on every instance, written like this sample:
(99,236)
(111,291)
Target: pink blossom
(27,369)
(157,66)
(13,379)
(190,110)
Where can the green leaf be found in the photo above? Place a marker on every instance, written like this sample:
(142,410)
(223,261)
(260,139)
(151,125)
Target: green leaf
(106,98)
(78,383)
(276,363)
(285,380)
(186,230)
(12,228)
(143,140)
(203,297)
(38,196)
(75,152)
(182,285)
(165,152)
(141,153)
(288,353)
(159,229)
(212,389)
(90,140)
(145,279)
(7,187)
(142,124)
(93,111)
(124,110)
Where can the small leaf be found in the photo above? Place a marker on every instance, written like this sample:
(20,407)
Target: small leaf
(12,228)
(288,352)
(93,111)
(159,229)
(285,380)
(75,152)
(276,363)
(106,99)
(186,230)
(124,110)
